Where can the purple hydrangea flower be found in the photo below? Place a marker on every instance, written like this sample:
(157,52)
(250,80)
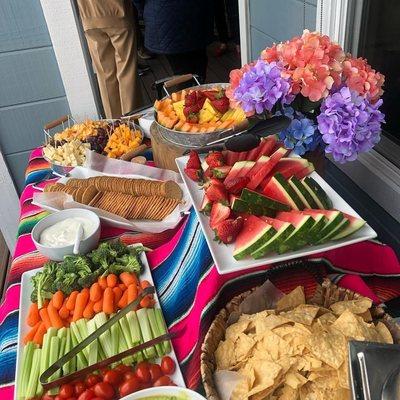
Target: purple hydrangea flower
(261,87)
(350,124)
(300,136)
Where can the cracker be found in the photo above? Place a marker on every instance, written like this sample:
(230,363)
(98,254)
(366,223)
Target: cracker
(89,194)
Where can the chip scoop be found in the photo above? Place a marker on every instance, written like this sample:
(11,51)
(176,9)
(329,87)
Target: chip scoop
(374,370)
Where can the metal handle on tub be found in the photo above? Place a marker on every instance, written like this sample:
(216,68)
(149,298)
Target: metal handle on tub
(178,80)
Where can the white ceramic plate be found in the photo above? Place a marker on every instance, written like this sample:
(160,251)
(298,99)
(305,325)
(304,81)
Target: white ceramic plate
(223,254)
(185,394)
(25,302)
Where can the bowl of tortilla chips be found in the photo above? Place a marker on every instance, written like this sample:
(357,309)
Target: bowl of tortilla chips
(296,350)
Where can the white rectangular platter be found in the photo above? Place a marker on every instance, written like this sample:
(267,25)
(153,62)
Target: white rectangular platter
(25,302)
(223,254)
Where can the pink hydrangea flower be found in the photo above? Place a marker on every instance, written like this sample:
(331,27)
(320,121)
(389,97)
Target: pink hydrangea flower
(234,79)
(360,77)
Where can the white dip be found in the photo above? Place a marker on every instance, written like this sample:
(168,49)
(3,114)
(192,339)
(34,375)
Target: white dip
(63,233)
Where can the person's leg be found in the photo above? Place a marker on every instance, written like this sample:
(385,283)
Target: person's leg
(193,62)
(103,57)
(124,42)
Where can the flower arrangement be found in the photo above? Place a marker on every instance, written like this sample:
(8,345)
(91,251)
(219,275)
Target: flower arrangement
(332,98)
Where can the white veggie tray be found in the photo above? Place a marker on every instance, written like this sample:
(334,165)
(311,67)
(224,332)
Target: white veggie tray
(55,201)
(223,254)
(25,302)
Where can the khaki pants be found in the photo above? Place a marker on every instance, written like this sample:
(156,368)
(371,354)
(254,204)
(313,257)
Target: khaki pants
(113,52)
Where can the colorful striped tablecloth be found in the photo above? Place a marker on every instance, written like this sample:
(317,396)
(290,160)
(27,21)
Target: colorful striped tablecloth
(190,289)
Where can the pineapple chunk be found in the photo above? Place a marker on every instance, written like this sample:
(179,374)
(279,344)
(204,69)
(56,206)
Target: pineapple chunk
(178,108)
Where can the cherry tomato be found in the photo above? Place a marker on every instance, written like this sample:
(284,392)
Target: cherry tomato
(104,390)
(47,396)
(57,397)
(92,379)
(163,381)
(112,377)
(129,386)
(66,391)
(167,365)
(88,394)
(142,371)
(155,372)
(79,388)
(104,370)
(122,368)
(71,398)
(129,375)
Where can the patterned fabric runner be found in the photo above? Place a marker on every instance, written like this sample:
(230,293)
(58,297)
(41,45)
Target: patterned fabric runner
(190,289)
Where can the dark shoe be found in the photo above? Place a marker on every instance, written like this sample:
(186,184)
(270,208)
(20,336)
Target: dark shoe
(144,54)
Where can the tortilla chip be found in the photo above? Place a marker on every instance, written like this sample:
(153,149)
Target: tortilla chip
(303,314)
(233,331)
(265,373)
(358,306)
(243,346)
(384,333)
(225,354)
(292,299)
(272,345)
(269,322)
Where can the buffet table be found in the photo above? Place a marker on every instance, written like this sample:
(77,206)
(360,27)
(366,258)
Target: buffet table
(190,289)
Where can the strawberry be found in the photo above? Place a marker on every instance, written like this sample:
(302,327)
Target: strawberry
(221,172)
(200,99)
(219,213)
(191,99)
(193,109)
(217,193)
(206,205)
(215,159)
(236,185)
(194,160)
(221,105)
(194,174)
(210,94)
(192,118)
(227,230)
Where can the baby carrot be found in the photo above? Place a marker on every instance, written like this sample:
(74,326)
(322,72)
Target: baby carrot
(108,301)
(144,284)
(88,312)
(58,299)
(145,302)
(117,294)
(102,282)
(31,334)
(132,292)
(111,280)
(98,306)
(122,286)
(95,292)
(55,319)
(127,278)
(71,300)
(123,301)
(44,315)
(33,315)
(38,338)
(80,304)
(63,312)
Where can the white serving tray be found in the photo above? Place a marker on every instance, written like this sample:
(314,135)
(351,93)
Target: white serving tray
(223,254)
(25,302)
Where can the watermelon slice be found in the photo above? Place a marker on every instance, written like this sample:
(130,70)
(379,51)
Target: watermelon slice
(303,193)
(266,147)
(254,233)
(299,237)
(258,165)
(334,218)
(280,190)
(206,205)
(284,229)
(235,170)
(241,206)
(231,157)
(243,156)
(232,198)
(354,225)
(259,199)
(305,172)
(252,154)
(335,232)
(246,169)
(318,194)
(257,178)
(289,166)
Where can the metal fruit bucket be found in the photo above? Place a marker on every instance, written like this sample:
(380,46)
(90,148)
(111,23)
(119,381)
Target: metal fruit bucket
(188,139)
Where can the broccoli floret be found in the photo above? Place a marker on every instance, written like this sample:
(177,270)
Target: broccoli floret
(127,263)
(67,283)
(103,256)
(42,284)
(88,280)
(119,247)
(78,264)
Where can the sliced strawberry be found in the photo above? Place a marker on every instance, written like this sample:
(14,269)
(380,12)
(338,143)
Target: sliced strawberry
(210,94)
(219,213)
(206,205)
(221,172)
(226,231)
(215,159)
(193,109)
(236,185)
(194,160)
(191,99)
(217,193)
(201,98)
(221,105)
(194,174)
(208,174)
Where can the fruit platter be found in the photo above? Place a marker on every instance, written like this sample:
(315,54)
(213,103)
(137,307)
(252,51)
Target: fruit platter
(192,117)
(63,302)
(264,206)
(112,138)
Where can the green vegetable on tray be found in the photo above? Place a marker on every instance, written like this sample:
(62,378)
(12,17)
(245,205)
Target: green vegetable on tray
(76,272)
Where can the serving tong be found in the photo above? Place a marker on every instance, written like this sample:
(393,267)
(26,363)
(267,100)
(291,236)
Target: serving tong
(374,370)
(93,336)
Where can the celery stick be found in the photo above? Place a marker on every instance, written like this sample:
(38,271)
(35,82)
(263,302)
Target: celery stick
(94,346)
(155,330)
(163,329)
(81,361)
(126,332)
(134,328)
(79,339)
(115,334)
(34,374)
(122,346)
(44,359)
(68,345)
(63,341)
(150,352)
(25,368)
(83,331)
(53,357)
(105,338)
